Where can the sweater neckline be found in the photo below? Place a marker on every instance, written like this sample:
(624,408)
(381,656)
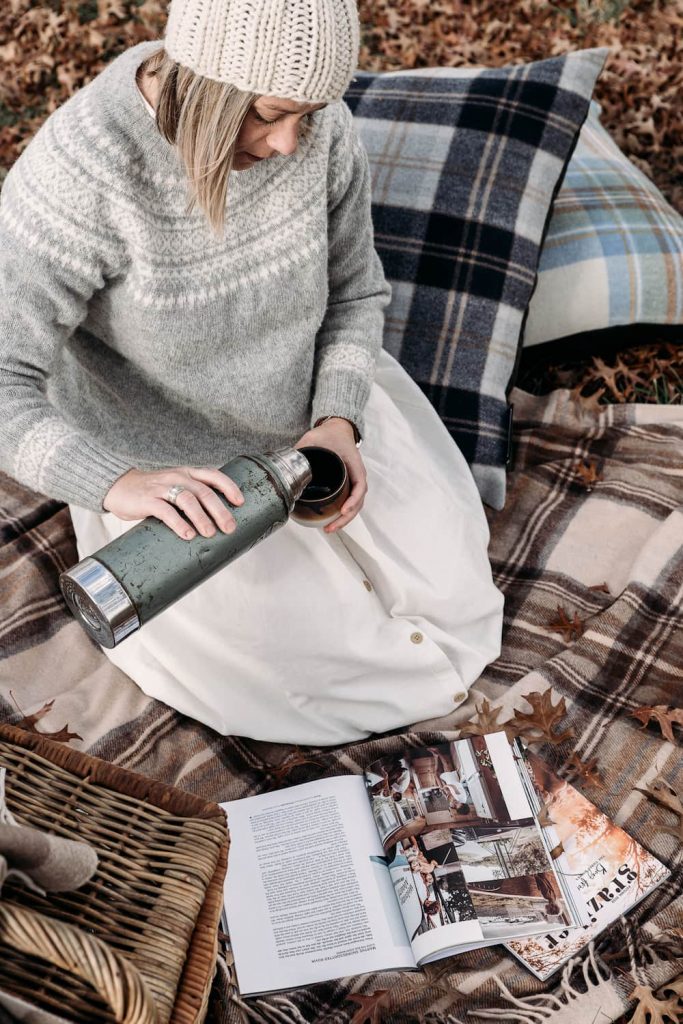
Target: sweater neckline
(129,102)
(132,106)
(148,106)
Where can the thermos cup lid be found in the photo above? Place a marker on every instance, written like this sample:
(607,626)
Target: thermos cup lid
(98,600)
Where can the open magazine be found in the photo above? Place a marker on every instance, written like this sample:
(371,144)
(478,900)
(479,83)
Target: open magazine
(427,854)
(607,870)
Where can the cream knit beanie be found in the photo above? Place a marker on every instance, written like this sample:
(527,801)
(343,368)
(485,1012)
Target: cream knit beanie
(303,50)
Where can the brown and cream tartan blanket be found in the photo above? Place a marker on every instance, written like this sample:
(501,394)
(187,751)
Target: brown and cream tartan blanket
(594,499)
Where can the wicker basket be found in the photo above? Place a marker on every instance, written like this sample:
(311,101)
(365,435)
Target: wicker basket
(138,942)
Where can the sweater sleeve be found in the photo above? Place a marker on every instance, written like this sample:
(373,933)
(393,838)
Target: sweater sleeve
(350,337)
(54,254)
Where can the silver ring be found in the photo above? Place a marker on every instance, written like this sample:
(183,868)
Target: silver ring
(173,492)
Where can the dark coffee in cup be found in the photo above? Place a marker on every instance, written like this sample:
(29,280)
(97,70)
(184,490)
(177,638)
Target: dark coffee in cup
(322,499)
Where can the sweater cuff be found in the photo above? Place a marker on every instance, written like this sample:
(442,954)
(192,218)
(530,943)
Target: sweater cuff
(67,465)
(342,395)
(102,476)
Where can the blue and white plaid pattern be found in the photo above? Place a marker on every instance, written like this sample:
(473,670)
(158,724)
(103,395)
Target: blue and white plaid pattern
(465,164)
(613,254)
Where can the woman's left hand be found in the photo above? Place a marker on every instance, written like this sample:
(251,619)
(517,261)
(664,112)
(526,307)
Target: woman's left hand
(337,435)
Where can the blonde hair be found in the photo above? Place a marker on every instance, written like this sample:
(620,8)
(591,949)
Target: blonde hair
(202,119)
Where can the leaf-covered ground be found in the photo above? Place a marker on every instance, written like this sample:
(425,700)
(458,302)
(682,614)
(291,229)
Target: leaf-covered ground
(50,48)
(643,373)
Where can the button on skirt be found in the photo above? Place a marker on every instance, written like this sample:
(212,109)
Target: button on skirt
(320,639)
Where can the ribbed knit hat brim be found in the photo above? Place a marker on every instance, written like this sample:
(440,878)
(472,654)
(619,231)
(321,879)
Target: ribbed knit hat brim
(304,50)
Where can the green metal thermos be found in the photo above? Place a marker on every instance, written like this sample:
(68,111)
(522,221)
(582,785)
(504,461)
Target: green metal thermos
(122,586)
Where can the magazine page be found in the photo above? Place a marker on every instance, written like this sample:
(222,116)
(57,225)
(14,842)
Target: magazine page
(608,871)
(308,896)
(466,856)
(551,838)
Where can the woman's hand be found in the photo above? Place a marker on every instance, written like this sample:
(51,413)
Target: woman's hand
(337,435)
(138,494)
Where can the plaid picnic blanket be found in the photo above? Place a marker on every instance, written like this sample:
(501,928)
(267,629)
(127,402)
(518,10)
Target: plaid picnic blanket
(592,530)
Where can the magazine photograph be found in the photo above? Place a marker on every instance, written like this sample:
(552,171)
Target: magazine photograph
(456,849)
(608,871)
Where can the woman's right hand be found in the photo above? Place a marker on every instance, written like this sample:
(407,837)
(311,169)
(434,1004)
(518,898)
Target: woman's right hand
(139,493)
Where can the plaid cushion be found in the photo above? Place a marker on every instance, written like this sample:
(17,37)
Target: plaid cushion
(613,254)
(465,164)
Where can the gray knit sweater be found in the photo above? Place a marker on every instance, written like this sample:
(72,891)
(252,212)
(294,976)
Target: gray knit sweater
(130,336)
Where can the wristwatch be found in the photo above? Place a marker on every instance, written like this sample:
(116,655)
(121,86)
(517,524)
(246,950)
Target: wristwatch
(356,432)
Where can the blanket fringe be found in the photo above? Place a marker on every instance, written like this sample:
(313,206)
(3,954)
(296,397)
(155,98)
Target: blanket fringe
(546,1007)
(279,1010)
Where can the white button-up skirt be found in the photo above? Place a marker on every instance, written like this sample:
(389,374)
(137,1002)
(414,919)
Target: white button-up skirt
(320,639)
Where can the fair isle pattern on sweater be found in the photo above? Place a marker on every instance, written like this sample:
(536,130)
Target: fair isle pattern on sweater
(131,336)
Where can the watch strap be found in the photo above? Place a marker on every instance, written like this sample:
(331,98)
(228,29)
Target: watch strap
(356,432)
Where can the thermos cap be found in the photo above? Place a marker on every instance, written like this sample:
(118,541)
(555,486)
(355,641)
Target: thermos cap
(294,470)
(96,597)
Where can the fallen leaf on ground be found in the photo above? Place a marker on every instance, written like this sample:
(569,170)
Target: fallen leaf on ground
(652,1010)
(28,723)
(663,715)
(675,985)
(570,629)
(485,721)
(585,770)
(589,473)
(608,374)
(542,718)
(371,1007)
(297,758)
(589,403)
(665,796)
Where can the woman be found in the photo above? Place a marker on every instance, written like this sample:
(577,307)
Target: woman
(188,273)
(456,792)
(453,785)
(419,864)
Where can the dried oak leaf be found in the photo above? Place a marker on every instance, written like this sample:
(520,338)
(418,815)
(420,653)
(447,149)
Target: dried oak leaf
(665,717)
(621,379)
(675,985)
(28,722)
(662,794)
(589,473)
(608,374)
(371,1007)
(651,1009)
(280,771)
(570,629)
(588,403)
(585,770)
(542,718)
(486,721)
